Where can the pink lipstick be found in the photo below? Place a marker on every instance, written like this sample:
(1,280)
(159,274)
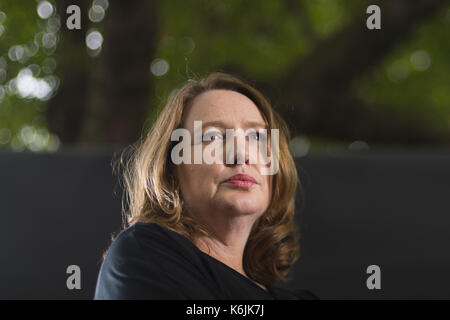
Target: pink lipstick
(243,181)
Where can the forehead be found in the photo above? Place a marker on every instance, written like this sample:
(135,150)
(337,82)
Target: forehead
(228,106)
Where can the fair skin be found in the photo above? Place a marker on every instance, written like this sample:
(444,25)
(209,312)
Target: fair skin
(229,211)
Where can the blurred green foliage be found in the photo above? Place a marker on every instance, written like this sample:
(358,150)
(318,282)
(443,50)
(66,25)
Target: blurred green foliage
(414,79)
(261,38)
(22,123)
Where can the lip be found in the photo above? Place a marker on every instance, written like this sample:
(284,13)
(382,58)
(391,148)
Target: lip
(242,181)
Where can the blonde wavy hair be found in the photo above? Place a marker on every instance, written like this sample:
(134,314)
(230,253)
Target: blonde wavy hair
(152,193)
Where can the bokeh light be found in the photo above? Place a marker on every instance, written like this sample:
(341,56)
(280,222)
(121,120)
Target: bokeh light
(2,20)
(45,9)
(159,67)
(30,137)
(16,53)
(2,17)
(17,144)
(10,87)
(96,13)
(49,40)
(49,65)
(30,87)
(35,69)
(32,48)
(102,3)
(299,146)
(94,40)
(53,24)
(420,60)
(398,71)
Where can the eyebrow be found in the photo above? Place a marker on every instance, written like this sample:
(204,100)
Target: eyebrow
(247,124)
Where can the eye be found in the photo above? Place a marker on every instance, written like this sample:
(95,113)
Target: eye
(256,135)
(212,135)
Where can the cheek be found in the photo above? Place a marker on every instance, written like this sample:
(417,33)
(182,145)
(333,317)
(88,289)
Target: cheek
(198,181)
(266,191)
(269,182)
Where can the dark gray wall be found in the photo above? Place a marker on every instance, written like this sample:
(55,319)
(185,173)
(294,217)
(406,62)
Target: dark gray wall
(56,210)
(389,208)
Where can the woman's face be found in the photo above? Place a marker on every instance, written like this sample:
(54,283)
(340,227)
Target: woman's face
(207,188)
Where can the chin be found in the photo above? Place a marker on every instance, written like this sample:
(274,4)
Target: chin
(242,205)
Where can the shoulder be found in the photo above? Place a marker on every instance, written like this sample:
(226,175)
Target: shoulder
(145,230)
(152,233)
(147,261)
(149,244)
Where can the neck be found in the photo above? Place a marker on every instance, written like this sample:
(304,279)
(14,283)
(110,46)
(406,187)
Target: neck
(228,241)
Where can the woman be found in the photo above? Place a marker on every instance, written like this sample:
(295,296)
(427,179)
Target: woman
(198,230)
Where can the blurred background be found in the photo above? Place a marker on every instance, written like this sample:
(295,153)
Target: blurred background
(70,99)
(337,83)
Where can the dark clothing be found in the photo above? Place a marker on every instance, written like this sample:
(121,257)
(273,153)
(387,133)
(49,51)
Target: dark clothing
(148,261)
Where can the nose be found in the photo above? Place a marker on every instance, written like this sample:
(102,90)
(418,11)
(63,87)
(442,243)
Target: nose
(237,149)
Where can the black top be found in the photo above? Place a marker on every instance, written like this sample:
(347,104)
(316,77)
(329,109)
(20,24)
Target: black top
(148,261)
